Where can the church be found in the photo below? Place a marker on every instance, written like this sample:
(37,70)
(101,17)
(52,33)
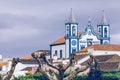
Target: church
(75,40)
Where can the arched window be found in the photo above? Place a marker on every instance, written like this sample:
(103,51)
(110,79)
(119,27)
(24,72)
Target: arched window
(105,31)
(73,29)
(89,32)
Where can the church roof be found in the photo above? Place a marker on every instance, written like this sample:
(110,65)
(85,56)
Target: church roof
(62,40)
(71,18)
(59,41)
(110,47)
(103,19)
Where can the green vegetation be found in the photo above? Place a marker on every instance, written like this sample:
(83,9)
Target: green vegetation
(105,76)
(111,75)
(37,76)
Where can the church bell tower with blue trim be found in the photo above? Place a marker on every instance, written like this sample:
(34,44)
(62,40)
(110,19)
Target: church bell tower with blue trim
(71,35)
(104,30)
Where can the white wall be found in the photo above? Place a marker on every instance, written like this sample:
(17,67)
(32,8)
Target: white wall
(83,60)
(20,66)
(58,48)
(83,40)
(67,48)
(0,56)
(100,52)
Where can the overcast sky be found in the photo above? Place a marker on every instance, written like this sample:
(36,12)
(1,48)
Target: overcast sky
(30,25)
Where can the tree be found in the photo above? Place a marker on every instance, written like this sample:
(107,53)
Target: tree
(94,73)
(9,74)
(60,68)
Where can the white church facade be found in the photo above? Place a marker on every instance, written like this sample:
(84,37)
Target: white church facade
(75,40)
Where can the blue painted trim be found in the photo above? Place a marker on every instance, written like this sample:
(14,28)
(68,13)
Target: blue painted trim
(70,28)
(50,52)
(102,38)
(77,44)
(92,31)
(69,47)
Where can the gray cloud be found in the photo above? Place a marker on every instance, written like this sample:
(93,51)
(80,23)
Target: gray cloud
(29,25)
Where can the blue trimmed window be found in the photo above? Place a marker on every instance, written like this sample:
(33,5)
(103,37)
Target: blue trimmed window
(61,53)
(67,31)
(73,50)
(89,42)
(99,30)
(55,52)
(105,31)
(82,46)
(73,30)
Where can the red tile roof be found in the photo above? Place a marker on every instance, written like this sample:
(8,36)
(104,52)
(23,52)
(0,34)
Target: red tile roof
(62,40)
(59,41)
(109,66)
(3,63)
(104,58)
(110,47)
(80,56)
(27,57)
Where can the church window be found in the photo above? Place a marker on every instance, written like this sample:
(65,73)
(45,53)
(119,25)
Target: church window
(73,29)
(55,52)
(105,31)
(61,53)
(73,50)
(67,31)
(89,33)
(89,42)
(82,46)
(99,30)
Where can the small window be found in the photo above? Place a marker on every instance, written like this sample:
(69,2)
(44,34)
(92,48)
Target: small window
(73,29)
(99,30)
(60,53)
(105,31)
(89,42)
(67,31)
(55,52)
(73,50)
(89,33)
(82,46)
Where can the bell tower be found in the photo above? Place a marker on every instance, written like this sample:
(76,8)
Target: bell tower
(71,35)
(104,30)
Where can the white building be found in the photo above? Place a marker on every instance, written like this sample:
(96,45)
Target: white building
(75,41)
(26,61)
(99,49)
